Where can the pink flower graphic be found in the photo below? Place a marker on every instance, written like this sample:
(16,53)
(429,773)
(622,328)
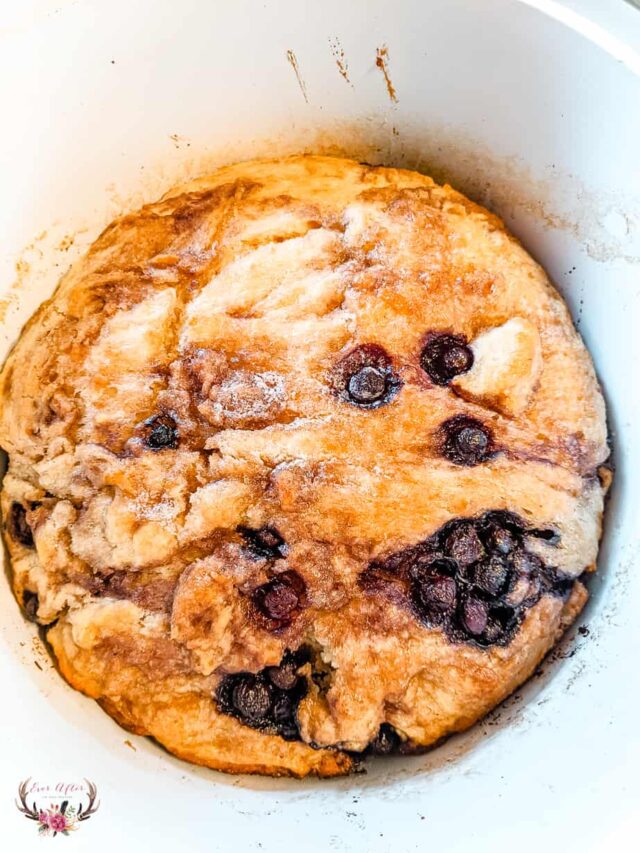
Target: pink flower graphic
(57,822)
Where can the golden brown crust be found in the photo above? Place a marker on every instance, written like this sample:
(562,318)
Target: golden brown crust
(222,316)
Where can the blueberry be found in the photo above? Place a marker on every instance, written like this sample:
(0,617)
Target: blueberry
(161,432)
(432,565)
(283,708)
(284,676)
(289,730)
(445,356)
(466,440)
(264,542)
(365,377)
(500,539)
(435,596)
(368,385)
(524,562)
(279,598)
(18,526)
(463,544)
(30,604)
(474,616)
(284,713)
(491,575)
(251,698)
(386,742)
(505,519)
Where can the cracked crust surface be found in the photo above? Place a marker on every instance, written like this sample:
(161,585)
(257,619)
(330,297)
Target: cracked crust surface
(211,323)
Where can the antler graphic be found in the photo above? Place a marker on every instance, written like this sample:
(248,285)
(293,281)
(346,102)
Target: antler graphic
(32,813)
(92,806)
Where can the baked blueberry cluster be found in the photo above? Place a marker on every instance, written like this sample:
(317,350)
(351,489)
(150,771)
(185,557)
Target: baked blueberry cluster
(266,700)
(474,578)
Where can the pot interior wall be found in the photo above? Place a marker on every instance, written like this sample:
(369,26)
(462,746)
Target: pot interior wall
(107,104)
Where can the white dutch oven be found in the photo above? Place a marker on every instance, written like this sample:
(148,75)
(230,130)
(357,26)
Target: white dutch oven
(526,105)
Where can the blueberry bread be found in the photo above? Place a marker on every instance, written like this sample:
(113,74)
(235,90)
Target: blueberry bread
(306,463)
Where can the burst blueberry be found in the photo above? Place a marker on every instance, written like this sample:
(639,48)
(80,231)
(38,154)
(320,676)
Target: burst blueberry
(466,441)
(161,432)
(445,356)
(280,598)
(365,377)
(264,542)
(18,526)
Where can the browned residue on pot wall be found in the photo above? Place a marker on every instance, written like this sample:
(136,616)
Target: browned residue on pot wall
(382,62)
(341,62)
(293,62)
